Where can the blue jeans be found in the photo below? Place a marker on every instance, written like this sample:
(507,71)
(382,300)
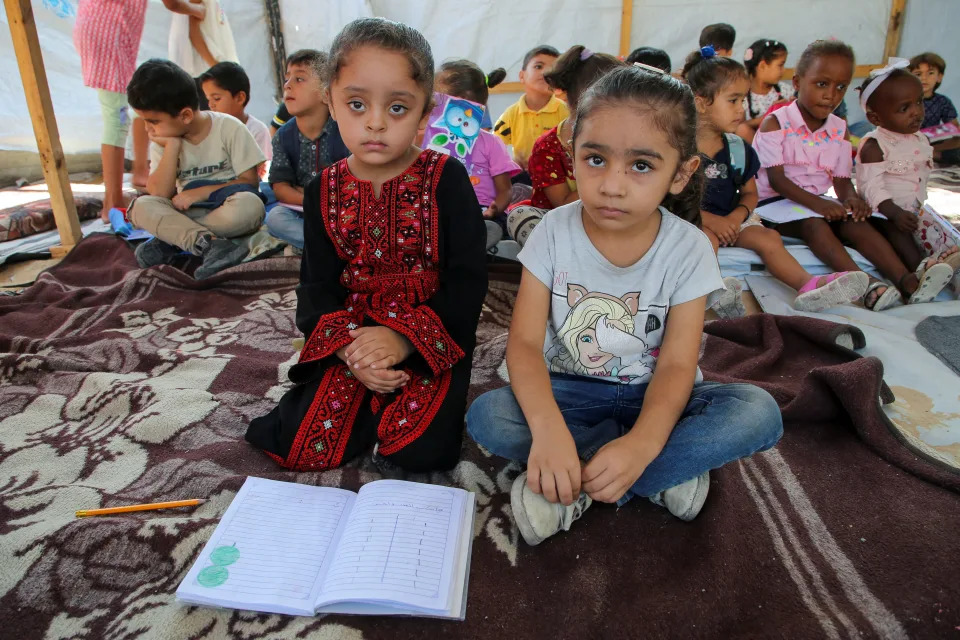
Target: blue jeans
(721,423)
(286,224)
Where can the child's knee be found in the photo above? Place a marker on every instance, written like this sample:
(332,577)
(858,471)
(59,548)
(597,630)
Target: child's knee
(762,422)
(145,207)
(496,422)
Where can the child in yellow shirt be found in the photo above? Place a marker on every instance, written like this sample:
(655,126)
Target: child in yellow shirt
(537,111)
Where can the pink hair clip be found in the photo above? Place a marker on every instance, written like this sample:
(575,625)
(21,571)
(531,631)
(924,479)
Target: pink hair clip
(586,53)
(748,55)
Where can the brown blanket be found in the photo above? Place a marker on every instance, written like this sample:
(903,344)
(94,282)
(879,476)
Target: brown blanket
(120,386)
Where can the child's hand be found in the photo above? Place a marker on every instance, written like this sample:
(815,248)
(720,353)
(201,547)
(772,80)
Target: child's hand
(186,199)
(726,230)
(381,380)
(832,211)
(167,141)
(905,221)
(491,212)
(615,468)
(553,467)
(376,348)
(858,208)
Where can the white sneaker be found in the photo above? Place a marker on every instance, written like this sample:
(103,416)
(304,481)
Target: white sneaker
(686,499)
(729,304)
(538,518)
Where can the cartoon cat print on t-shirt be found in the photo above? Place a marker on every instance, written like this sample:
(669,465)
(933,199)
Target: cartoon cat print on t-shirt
(607,336)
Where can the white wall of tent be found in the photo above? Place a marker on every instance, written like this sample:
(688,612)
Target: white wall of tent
(492,33)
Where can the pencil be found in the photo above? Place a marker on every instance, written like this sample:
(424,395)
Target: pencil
(139,507)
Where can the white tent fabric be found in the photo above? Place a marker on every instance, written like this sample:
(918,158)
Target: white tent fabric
(493,33)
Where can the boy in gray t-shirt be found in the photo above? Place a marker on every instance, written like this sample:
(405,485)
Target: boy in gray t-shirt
(203,186)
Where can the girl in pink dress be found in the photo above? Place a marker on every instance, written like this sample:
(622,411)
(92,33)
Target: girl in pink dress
(804,150)
(893,164)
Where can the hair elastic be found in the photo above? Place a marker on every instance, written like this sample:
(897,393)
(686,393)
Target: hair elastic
(880,75)
(708,52)
(647,67)
(586,53)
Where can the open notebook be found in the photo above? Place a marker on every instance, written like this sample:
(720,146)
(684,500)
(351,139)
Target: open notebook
(394,547)
(783,211)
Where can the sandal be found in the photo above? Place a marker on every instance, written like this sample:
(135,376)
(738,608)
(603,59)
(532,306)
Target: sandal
(836,289)
(932,281)
(882,301)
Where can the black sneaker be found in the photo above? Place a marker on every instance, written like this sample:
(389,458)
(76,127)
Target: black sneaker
(155,252)
(219,254)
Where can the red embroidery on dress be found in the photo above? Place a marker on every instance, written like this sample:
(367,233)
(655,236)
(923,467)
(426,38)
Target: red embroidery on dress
(325,429)
(390,245)
(409,415)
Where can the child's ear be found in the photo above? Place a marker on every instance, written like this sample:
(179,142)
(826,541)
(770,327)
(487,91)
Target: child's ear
(523,74)
(872,117)
(187,115)
(701,104)
(796,83)
(242,97)
(684,172)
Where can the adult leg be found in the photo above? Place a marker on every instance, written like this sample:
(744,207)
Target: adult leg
(286,224)
(115,112)
(141,153)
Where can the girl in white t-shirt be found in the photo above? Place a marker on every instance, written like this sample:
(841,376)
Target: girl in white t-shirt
(606,330)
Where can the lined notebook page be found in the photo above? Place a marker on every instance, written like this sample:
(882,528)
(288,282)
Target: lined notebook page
(400,546)
(269,552)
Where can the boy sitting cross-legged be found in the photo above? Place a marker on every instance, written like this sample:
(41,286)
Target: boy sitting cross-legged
(203,185)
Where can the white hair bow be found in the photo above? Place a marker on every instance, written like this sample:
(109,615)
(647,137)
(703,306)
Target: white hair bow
(879,75)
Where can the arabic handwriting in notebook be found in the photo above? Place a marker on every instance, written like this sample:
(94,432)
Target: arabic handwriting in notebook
(395,541)
(393,547)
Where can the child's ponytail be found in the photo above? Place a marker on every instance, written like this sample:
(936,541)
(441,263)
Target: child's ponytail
(707,73)
(464,79)
(495,77)
(577,69)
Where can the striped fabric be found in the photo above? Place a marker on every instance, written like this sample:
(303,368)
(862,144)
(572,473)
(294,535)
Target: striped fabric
(107,36)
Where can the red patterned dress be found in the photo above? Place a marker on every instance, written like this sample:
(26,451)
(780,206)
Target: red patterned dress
(412,260)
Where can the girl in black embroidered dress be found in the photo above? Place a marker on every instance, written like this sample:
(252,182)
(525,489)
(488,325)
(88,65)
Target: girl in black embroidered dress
(393,274)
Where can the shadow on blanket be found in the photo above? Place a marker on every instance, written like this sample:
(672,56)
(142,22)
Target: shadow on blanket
(120,386)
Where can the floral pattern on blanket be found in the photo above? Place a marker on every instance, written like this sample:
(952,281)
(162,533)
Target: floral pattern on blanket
(155,408)
(36,217)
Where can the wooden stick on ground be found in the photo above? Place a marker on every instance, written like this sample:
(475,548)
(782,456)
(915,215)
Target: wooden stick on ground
(26,44)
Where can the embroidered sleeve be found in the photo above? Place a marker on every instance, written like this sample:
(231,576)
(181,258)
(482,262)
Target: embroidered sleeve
(870,183)
(443,329)
(321,314)
(769,146)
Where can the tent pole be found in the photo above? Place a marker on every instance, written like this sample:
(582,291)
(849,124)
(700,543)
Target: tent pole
(26,44)
(275,25)
(894,29)
(626,26)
